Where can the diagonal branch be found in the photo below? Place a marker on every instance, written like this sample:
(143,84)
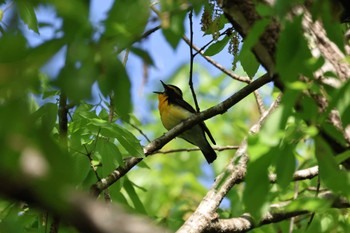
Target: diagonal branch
(217,65)
(158,143)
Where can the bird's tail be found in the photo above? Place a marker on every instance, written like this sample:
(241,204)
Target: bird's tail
(208,152)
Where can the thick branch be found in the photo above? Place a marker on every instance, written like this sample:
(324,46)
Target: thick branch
(83,212)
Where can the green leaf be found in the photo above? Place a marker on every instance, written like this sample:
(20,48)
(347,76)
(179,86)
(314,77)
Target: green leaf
(144,55)
(274,127)
(27,14)
(80,167)
(110,155)
(271,131)
(114,81)
(126,21)
(257,184)
(128,141)
(285,165)
(124,137)
(256,147)
(171,37)
(48,115)
(249,63)
(217,47)
(342,157)
(13,48)
(330,173)
(292,51)
(143,164)
(129,188)
(176,29)
(246,57)
(71,77)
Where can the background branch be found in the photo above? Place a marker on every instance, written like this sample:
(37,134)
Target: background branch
(80,210)
(277,214)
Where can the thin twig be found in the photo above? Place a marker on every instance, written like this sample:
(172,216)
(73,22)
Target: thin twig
(150,31)
(190,82)
(217,65)
(140,131)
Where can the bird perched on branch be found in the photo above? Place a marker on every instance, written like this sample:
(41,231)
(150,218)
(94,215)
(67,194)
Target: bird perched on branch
(173,109)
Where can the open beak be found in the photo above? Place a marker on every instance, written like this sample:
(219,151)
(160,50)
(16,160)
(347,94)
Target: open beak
(164,85)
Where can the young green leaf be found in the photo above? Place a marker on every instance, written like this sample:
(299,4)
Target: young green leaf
(129,188)
(217,46)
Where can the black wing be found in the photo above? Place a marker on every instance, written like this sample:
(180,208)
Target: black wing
(189,108)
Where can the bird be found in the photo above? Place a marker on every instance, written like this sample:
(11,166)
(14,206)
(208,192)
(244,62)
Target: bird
(174,109)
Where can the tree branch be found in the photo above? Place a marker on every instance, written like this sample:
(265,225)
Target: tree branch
(78,209)
(158,143)
(304,174)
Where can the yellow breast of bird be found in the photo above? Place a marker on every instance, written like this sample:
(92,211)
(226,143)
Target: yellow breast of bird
(170,114)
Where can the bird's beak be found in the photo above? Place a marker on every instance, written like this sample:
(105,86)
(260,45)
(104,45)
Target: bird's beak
(165,87)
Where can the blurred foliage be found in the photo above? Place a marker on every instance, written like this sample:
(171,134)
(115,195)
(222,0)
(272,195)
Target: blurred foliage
(165,187)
